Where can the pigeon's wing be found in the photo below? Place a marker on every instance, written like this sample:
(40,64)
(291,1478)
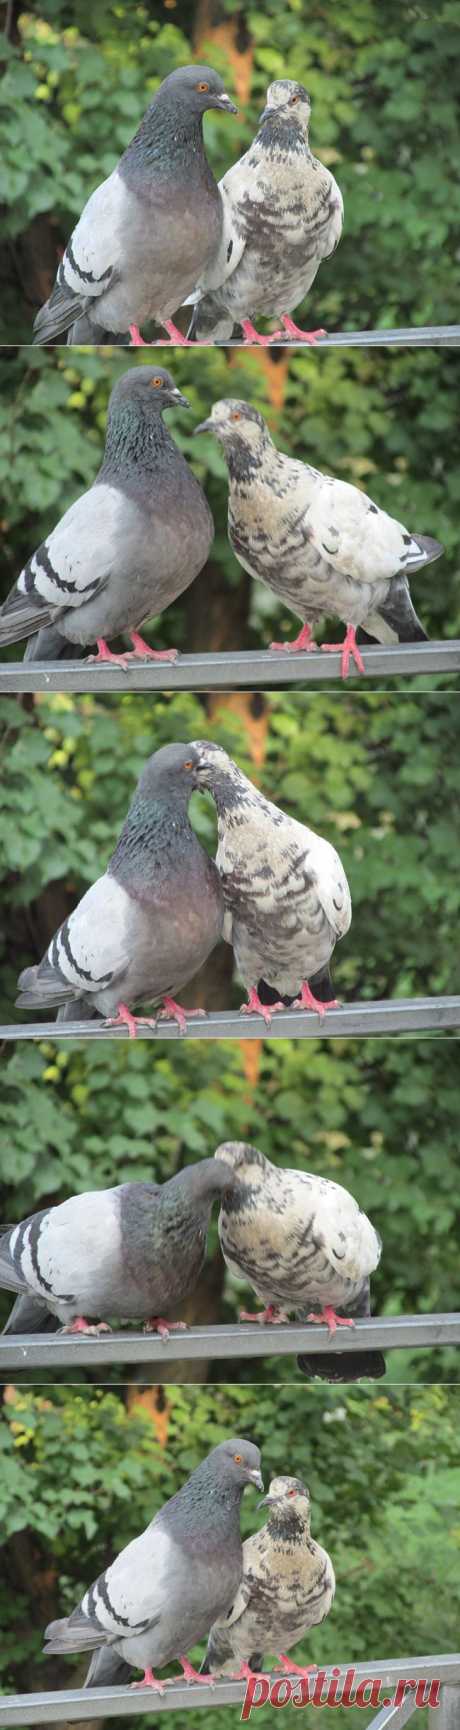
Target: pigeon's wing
(88,953)
(351,1243)
(326,870)
(69,568)
(126,1599)
(233,236)
(357,538)
(329,224)
(91,260)
(11,1276)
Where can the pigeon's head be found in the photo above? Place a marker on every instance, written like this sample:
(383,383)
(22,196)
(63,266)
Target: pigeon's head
(292,98)
(237,1463)
(204,1181)
(213,771)
(290,1501)
(240,428)
(146,391)
(197,88)
(248,1165)
(170,770)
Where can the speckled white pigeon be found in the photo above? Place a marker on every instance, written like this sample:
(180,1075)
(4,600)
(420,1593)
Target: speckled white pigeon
(288,1587)
(300,1240)
(286,894)
(161,1594)
(147,231)
(318,543)
(283,214)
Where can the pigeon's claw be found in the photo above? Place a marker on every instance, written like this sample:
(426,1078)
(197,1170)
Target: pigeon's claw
(255,1007)
(176,336)
(348,650)
(291,1669)
(123,1018)
(332,1320)
(143,650)
(150,1681)
(105,654)
(79,1325)
(308,1001)
(191,1675)
(158,1325)
(253,335)
(291,329)
(137,341)
(303,641)
(245,1674)
(174,1010)
(271,1315)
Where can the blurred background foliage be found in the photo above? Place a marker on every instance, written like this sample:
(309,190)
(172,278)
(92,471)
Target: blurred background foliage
(379,1116)
(382,75)
(84,1471)
(378,775)
(384,421)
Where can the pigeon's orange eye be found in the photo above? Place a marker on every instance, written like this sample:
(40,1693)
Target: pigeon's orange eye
(202,87)
(188,765)
(292,1492)
(238,1458)
(235,416)
(157,383)
(295,99)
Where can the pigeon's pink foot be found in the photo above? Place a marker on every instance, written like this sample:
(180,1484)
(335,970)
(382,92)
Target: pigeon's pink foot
(291,1669)
(308,1001)
(81,1326)
(253,335)
(348,649)
(271,1315)
(150,1681)
(105,654)
(292,329)
(303,641)
(146,653)
(332,1320)
(255,1007)
(176,335)
(157,1325)
(137,341)
(123,1018)
(191,1675)
(177,1013)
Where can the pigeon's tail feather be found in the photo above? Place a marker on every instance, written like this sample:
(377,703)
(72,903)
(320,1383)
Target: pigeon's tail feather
(19,618)
(50,645)
(30,1316)
(56,315)
(204,1667)
(210,322)
(85,330)
(428,550)
(256,1660)
(398,615)
(107,1669)
(79,1009)
(343,1366)
(72,1634)
(41,986)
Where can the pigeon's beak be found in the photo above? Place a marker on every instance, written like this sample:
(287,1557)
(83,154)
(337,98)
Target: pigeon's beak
(268,1501)
(178,400)
(225,102)
(256,1478)
(264,115)
(204,426)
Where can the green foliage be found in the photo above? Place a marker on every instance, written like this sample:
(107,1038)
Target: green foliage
(381,74)
(81,1476)
(386,422)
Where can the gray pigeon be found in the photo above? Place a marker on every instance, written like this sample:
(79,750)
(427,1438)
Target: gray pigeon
(320,544)
(129,546)
(131,1252)
(287,1588)
(147,232)
(283,213)
(145,927)
(300,1240)
(161,1594)
(286,894)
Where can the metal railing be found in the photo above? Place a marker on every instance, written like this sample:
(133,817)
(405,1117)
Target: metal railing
(70,1705)
(392,1015)
(409,336)
(236,1340)
(244,669)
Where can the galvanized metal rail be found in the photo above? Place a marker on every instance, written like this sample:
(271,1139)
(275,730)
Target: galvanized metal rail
(411,336)
(392,1015)
(245,669)
(70,1705)
(237,1340)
